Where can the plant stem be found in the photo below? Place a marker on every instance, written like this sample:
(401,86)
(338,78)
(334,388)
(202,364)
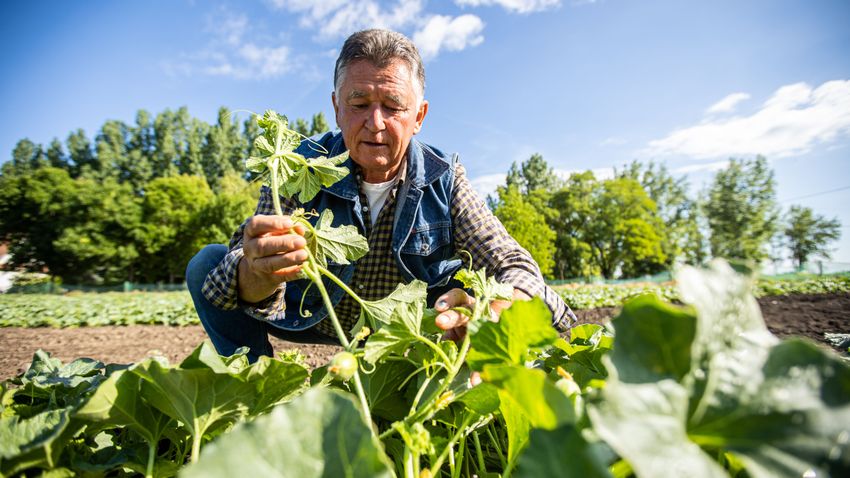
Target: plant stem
(312,272)
(621,469)
(435,467)
(341,284)
(196,448)
(151,459)
(481,467)
(275,185)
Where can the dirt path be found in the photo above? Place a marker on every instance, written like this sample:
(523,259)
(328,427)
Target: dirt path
(802,315)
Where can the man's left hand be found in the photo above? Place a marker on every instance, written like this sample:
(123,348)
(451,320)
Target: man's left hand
(453,322)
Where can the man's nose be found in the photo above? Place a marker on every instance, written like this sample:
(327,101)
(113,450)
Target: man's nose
(375,120)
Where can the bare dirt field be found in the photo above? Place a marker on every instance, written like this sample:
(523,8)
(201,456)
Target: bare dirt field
(795,315)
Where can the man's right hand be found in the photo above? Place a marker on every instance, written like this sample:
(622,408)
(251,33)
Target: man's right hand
(273,251)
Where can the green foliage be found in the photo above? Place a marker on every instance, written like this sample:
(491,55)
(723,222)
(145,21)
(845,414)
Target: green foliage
(89,309)
(82,209)
(702,390)
(683,241)
(741,210)
(582,297)
(808,234)
(528,226)
(320,434)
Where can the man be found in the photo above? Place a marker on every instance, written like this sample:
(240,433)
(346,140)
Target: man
(413,203)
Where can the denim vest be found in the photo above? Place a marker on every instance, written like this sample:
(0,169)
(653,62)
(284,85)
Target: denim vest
(422,228)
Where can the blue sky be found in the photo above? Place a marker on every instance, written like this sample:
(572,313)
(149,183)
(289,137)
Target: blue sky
(588,84)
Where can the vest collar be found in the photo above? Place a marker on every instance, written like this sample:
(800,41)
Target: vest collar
(423,168)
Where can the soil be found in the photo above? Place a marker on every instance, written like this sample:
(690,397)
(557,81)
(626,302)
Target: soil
(803,315)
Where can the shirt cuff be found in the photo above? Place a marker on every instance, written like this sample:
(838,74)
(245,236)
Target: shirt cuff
(222,290)
(533,285)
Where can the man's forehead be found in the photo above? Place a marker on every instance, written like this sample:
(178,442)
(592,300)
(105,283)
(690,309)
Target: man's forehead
(364,76)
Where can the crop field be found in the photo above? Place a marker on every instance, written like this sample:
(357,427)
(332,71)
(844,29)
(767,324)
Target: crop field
(703,391)
(175,308)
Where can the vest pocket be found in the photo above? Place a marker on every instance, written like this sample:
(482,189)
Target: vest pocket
(426,239)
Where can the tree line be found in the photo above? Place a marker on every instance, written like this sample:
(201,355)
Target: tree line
(133,204)
(137,201)
(644,221)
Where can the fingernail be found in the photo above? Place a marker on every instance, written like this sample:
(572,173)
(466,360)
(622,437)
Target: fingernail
(442,304)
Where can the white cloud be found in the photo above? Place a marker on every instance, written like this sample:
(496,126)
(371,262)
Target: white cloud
(447,33)
(793,121)
(339,18)
(515,6)
(231,54)
(487,184)
(695,168)
(728,104)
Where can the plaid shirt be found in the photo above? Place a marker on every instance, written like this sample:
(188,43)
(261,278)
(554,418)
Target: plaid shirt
(475,229)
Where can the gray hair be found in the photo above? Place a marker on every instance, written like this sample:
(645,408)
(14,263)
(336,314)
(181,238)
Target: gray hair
(380,47)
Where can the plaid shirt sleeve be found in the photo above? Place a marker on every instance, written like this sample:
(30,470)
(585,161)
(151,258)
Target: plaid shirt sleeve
(478,231)
(220,287)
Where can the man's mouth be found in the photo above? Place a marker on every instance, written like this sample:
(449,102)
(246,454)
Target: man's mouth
(373,144)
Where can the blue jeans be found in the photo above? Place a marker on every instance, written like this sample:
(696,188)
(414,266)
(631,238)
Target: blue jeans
(231,329)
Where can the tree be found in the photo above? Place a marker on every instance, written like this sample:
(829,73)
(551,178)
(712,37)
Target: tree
(625,233)
(532,175)
(741,210)
(80,151)
(319,124)
(680,214)
(607,227)
(168,231)
(528,226)
(572,204)
(56,155)
(808,234)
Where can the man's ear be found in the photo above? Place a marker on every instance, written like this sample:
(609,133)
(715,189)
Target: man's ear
(420,115)
(336,107)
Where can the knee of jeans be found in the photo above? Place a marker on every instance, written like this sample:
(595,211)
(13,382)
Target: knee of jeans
(203,262)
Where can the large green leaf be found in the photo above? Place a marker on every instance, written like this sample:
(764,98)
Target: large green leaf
(403,330)
(543,404)
(33,442)
(376,313)
(645,424)
(49,383)
(117,402)
(561,453)
(383,390)
(582,355)
(320,434)
(273,382)
(516,423)
(307,181)
(524,326)
(653,341)
(792,417)
(200,399)
(778,409)
(339,244)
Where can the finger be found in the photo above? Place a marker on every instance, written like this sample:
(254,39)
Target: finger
(260,225)
(453,298)
(288,274)
(272,245)
(457,334)
(451,319)
(271,264)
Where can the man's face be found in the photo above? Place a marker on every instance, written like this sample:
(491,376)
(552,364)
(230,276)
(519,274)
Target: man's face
(378,113)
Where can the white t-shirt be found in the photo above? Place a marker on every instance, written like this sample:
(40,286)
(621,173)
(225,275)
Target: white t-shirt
(377,194)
